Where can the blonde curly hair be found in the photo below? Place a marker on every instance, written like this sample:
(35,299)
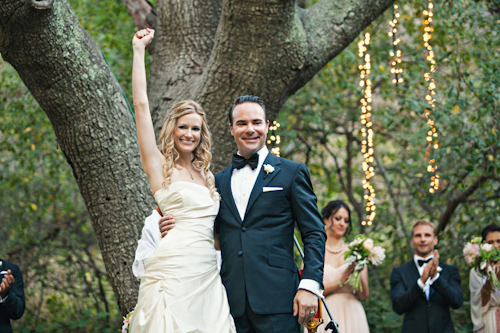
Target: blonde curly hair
(201,154)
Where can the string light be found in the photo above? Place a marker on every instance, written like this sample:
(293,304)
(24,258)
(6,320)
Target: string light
(430,97)
(395,54)
(367,129)
(275,139)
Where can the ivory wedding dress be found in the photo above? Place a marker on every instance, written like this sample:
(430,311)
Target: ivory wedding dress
(181,290)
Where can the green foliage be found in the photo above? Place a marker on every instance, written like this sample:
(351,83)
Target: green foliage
(321,128)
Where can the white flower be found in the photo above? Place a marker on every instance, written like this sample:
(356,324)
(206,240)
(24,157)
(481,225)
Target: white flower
(268,168)
(486,247)
(358,240)
(368,244)
(350,259)
(377,255)
(439,269)
(471,252)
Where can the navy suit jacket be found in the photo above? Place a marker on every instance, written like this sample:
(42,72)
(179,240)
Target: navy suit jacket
(257,253)
(422,315)
(13,307)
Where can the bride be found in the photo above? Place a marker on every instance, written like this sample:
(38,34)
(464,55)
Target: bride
(181,290)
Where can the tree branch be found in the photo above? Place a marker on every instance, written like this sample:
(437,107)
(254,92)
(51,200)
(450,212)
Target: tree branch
(395,200)
(458,199)
(142,12)
(329,27)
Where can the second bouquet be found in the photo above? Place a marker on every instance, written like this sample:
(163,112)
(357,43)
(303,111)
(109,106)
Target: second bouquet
(362,252)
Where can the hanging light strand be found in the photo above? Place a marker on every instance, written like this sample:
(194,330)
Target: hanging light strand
(274,140)
(432,135)
(367,129)
(395,53)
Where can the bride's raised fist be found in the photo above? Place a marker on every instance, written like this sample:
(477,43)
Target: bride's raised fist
(143,37)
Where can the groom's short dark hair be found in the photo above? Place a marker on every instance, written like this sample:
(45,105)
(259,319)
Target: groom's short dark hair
(243,99)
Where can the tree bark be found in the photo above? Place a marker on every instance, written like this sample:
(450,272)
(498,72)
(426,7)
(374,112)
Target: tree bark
(211,51)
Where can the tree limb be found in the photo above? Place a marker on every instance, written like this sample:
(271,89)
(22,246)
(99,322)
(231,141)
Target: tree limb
(458,199)
(329,26)
(142,12)
(395,200)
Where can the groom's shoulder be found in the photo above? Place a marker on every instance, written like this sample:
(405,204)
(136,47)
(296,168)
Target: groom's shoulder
(289,164)
(220,173)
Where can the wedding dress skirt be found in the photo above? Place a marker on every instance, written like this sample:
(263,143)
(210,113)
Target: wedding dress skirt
(181,290)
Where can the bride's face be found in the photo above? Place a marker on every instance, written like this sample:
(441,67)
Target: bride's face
(187,134)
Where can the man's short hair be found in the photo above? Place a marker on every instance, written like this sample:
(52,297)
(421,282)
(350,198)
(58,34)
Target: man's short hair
(243,99)
(488,229)
(424,222)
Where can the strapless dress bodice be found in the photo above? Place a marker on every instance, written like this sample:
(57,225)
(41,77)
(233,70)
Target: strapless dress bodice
(184,199)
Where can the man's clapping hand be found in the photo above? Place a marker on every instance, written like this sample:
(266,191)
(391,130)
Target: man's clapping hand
(430,270)
(7,282)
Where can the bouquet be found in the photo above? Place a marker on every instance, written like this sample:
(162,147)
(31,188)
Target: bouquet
(477,254)
(362,252)
(126,321)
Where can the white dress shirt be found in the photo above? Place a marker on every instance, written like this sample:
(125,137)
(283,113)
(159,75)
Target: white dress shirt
(242,183)
(426,287)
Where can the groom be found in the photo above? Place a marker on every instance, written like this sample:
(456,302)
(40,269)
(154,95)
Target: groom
(262,196)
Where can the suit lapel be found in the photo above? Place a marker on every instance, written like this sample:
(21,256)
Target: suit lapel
(226,194)
(262,180)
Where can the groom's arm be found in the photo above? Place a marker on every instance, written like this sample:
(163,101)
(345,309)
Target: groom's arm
(305,212)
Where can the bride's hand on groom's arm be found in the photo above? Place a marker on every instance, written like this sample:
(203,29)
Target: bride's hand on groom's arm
(166,224)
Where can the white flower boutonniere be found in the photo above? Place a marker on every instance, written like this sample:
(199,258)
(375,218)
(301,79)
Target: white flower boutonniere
(268,168)
(439,269)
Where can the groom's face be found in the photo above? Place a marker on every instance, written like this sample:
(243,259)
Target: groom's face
(249,128)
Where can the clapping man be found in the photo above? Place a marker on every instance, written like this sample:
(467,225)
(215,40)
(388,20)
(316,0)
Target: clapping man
(12,301)
(425,288)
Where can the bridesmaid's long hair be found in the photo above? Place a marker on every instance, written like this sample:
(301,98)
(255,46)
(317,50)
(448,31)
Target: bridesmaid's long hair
(201,155)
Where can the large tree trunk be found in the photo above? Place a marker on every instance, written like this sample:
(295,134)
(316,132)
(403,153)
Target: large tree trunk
(211,51)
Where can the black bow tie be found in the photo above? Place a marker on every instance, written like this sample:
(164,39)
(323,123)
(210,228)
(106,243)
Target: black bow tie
(425,261)
(239,161)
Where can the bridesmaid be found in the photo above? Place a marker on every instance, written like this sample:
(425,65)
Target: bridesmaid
(346,309)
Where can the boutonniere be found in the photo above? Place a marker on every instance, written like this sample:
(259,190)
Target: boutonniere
(268,168)
(439,269)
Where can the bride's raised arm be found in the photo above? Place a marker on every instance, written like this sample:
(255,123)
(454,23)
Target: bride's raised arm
(151,157)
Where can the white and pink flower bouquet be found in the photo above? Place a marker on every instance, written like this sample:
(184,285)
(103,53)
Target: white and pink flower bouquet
(478,254)
(126,321)
(363,253)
